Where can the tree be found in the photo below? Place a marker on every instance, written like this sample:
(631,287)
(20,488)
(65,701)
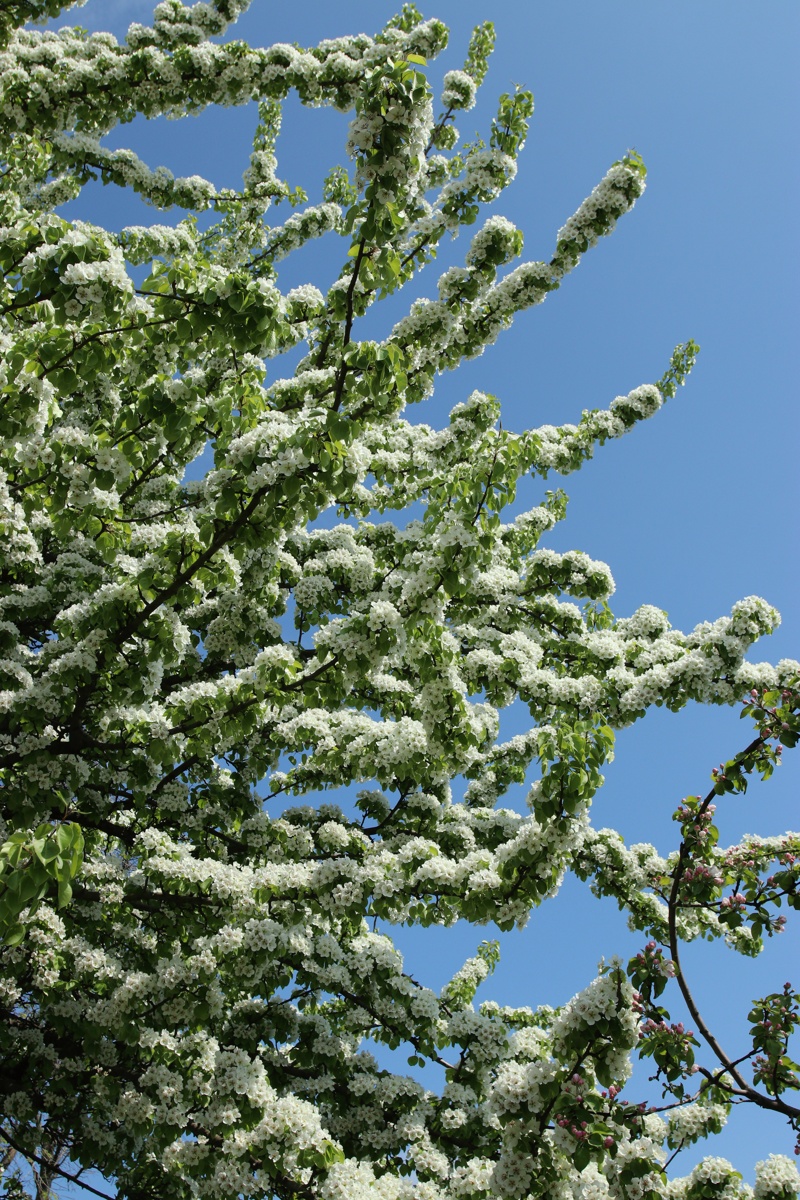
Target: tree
(195,974)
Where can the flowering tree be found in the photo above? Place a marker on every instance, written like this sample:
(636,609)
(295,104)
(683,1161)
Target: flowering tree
(193,972)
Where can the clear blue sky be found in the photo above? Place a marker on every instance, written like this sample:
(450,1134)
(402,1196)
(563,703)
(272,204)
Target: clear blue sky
(695,508)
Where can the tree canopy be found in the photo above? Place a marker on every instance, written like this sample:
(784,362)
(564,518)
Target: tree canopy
(199,983)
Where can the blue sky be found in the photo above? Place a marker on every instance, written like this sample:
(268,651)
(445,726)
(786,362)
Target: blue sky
(697,507)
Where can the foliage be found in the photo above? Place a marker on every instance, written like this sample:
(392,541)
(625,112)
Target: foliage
(193,975)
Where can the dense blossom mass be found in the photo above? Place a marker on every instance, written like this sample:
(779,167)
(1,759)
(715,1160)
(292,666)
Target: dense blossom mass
(197,968)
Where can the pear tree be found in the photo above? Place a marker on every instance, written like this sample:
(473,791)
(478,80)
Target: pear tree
(200,993)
